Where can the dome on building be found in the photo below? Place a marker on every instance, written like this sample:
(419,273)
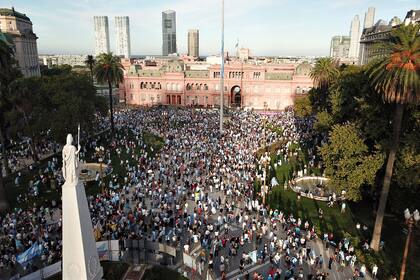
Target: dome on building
(303,69)
(395,21)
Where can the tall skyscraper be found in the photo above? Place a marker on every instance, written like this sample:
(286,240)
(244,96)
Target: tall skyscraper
(193,42)
(122,36)
(101,34)
(169,32)
(16,31)
(340,46)
(369,18)
(354,37)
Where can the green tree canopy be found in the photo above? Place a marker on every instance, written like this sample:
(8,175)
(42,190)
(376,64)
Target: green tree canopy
(348,162)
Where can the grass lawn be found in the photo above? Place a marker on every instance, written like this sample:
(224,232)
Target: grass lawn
(344,225)
(162,273)
(307,209)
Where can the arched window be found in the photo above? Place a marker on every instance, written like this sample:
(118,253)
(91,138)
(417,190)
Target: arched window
(168,86)
(206,87)
(173,87)
(178,88)
(141,85)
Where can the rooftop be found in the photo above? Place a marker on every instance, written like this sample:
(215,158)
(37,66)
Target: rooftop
(13,13)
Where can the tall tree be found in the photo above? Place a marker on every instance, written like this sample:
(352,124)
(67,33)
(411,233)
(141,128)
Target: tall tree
(348,162)
(109,70)
(396,77)
(324,73)
(90,63)
(29,110)
(7,73)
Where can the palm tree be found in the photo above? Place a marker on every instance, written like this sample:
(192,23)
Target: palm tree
(90,62)
(396,77)
(109,70)
(324,73)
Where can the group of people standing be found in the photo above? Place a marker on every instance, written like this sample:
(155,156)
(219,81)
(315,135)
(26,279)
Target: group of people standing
(195,193)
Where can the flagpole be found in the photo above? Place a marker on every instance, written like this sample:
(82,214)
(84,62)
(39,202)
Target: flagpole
(78,141)
(222,70)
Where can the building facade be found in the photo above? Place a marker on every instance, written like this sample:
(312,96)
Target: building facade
(101,35)
(369,18)
(340,46)
(168,32)
(244,54)
(354,38)
(17,31)
(268,86)
(122,36)
(381,31)
(193,42)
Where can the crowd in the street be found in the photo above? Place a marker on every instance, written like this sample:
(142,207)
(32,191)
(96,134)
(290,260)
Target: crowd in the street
(197,191)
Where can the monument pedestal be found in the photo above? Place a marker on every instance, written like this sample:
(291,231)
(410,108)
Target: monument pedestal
(80,256)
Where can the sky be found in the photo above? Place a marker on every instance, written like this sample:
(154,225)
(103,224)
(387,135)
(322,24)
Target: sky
(266,27)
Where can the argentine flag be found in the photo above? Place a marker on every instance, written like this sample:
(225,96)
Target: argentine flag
(34,251)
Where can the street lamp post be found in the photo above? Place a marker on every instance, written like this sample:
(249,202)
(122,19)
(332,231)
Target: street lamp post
(264,119)
(99,153)
(411,220)
(265,159)
(165,118)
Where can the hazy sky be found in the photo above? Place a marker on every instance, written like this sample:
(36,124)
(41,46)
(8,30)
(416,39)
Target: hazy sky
(267,27)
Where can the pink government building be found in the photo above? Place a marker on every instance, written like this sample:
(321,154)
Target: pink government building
(181,81)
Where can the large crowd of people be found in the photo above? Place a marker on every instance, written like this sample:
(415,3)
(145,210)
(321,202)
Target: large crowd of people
(196,191)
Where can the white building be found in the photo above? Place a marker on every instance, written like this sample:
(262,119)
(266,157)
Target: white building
(193,42)
(354,38)
(63,59)
(339,47)
(369,18)
(122,36)
(244,54)
(101,35)
(16,30)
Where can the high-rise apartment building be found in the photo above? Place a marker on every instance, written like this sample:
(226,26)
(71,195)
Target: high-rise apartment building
(169,32)
(193,42)
(369,18)
(101,34)
(354,38)
(340,46)
(16,30)
(122,36)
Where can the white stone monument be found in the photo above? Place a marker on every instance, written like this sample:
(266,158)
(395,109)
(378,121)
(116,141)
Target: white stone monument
(80,256)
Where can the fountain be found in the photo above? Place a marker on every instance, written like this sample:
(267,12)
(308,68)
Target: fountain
(312,187)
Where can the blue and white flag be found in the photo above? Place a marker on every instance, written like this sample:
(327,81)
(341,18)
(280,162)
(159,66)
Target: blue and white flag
(34,251)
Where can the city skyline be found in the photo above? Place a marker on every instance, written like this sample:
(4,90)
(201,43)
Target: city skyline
(306,28)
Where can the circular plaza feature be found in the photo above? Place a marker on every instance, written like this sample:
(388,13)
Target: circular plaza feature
(313,187)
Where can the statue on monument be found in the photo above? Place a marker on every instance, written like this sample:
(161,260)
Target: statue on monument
(70,160)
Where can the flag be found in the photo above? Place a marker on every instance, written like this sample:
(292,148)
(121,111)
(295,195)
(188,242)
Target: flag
(237,43)
(34,251)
